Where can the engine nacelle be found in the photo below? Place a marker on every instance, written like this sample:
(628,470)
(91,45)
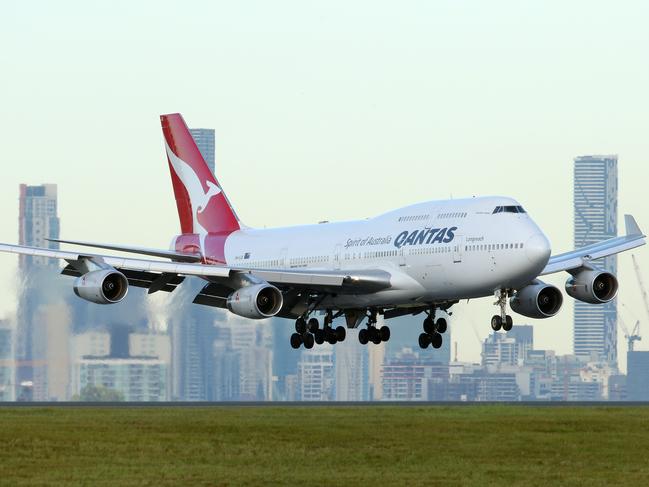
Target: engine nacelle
(257,301)
(105,286)
(537,300)
(591,286)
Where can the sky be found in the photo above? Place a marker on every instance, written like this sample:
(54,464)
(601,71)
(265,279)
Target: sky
(325,111)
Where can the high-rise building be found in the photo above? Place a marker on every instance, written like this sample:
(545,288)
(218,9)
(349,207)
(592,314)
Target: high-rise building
(595,216)
(508,349)
(204,139)
(192,325)
(637,382)
(413,376)
(252,341)
(7,363)
(351,367)
(37,222)
(315,374)
(140,374)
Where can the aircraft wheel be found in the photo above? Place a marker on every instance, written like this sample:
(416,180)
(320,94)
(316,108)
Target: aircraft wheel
(384,333)
(296,340)
(424,340)
(300,325)
(496,323)
(429,325)
(331,336)
(441,325)
(341,333)
(313,324)
(363,336)
(308,340)
(508,324)
(319,336)
(375,336)
(436,340)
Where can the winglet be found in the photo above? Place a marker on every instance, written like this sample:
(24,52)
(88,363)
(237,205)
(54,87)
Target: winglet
(632,227)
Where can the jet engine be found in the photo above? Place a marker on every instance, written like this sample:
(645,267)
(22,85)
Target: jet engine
(256,301)
(105,286)
(591,286)
(537,300)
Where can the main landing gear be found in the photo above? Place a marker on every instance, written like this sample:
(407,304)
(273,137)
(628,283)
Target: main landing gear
(503,320)
(433,331)
(372,333)
(309,332)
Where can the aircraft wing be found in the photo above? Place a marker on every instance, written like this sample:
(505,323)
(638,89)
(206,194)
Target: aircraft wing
(160,275)
(581,257)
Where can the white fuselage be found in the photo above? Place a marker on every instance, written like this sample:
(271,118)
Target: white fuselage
(435,251)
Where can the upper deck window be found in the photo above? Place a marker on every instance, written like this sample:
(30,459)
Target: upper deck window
(509,209)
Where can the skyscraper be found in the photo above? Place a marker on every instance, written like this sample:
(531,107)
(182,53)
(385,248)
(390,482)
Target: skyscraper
(7,369)
(192,325)
(351,369)
(204,139)
(595,216)
(315,374)
(37,221)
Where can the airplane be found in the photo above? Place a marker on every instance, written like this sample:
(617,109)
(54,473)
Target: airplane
(419,259)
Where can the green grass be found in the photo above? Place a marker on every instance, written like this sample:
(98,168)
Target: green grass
(446,446)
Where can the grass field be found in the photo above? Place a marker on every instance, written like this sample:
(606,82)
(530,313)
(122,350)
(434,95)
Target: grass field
(449,446)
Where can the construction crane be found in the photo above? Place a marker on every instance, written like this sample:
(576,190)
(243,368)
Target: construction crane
(643,291)
(632,337)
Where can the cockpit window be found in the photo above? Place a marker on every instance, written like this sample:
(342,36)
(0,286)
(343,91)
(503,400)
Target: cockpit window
(509,209)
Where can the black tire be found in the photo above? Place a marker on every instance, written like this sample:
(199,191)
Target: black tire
(331,336)
(308,340)
(429,325)
(296,340)
(341,333)
(496,323)
(384,333)
(508,324)
(313,324)
(441,325)
(436,340)
(363,336)
(300,325)
(424,340)
(375,336)
(319,336)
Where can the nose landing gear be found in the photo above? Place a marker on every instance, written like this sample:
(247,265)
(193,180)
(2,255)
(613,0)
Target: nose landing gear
(503,320)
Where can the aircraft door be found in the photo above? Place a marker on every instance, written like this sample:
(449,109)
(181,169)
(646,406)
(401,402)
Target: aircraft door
(283,261)
(458,248)
(337,253)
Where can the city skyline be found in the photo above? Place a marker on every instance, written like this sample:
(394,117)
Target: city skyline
(372,121)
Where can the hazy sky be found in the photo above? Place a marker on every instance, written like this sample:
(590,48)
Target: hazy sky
(325,110)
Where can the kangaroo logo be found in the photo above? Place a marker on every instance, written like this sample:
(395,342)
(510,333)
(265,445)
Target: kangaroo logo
(198,197)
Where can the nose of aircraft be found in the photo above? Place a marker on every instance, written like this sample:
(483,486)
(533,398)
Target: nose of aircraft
(537,249)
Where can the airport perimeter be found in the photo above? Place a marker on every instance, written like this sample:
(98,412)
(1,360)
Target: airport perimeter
(326,444)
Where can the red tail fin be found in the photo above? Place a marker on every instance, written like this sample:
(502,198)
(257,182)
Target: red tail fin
(202,205)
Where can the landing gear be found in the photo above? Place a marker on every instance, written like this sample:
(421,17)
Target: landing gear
(372,333)
(309,332)
(503,320)
(433,330)
(296,340)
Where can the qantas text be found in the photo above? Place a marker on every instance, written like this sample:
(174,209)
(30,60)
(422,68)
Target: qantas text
(425,236)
